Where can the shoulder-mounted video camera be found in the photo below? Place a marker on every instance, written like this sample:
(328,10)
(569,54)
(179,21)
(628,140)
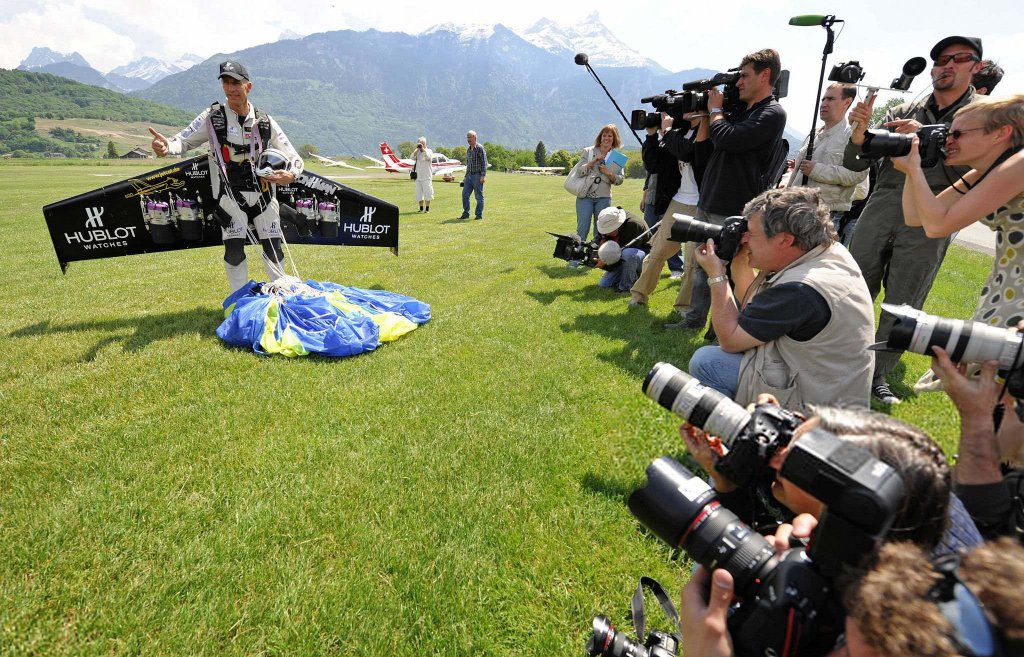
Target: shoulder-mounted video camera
(694,98)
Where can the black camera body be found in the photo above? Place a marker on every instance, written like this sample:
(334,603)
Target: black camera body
(572,248)
(847,72)
(965,342)
(609,642)
(789,602)
(882,143)
(726,237)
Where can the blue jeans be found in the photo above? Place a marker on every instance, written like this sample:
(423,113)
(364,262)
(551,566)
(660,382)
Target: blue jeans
(587,210)
(624,276)
(717,369)
(475,185)
(675,263)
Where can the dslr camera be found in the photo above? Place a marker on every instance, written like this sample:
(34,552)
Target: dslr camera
(789,603)
(882,143)
(750,439)
(606,641)
(571,247)
(847,72)
(726,237)
(965,342)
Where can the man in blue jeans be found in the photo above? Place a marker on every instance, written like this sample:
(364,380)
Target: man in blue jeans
(476,171)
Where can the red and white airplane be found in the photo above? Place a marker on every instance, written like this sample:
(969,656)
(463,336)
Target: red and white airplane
(439,164)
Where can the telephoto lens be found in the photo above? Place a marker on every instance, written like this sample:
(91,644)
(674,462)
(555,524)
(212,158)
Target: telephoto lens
(696,403)
(681,509)
(964,341)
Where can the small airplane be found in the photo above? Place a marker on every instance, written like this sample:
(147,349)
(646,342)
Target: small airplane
(326,161)
(542,171)
(438,163)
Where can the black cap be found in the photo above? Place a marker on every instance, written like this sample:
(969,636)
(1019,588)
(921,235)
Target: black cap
(972,42)
(235,70)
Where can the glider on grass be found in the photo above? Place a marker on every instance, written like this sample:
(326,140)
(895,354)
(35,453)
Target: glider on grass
(171,209)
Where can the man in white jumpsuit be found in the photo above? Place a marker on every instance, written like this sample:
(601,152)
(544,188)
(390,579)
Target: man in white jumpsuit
(238,133)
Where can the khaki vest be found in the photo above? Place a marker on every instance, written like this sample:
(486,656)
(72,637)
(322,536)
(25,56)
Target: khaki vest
(835,366)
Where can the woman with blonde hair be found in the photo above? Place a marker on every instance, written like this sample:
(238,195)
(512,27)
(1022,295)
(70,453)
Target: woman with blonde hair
(605,174)
(987,135)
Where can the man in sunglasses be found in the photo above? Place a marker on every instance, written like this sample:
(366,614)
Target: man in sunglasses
(885,248)
(238,134)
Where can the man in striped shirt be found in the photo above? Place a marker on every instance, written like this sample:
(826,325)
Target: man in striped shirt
(476,170)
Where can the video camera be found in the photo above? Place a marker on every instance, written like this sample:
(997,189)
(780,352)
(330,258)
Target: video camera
(694,98)
(726,237)
(965,342)
(789,604)
(572,248)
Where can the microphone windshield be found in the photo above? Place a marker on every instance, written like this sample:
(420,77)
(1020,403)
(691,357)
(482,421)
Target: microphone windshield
(581,58)
(807,20)
(915,66)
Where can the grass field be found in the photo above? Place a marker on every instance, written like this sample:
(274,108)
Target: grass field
(126,135)
(460,492)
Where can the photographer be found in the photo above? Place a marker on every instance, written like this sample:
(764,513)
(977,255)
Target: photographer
(994,500)
(670,159)
(624,243)
(424,180)
(825,171)
(739,157)
(801,328)
(886,249)
(930,516)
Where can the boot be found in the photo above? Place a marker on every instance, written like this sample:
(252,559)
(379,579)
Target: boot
(238,275)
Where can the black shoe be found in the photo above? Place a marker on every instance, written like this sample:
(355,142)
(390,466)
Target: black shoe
(684,325)
(882,393)
(478,218)
(428,209)
(465,216)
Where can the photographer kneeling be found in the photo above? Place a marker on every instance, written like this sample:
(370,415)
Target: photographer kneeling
(625,241)
(800,329)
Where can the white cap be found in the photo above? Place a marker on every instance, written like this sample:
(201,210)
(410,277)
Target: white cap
(610,219)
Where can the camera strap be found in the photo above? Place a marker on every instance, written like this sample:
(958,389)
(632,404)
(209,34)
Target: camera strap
(637,606)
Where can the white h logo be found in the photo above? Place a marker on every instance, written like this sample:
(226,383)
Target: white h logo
(94,215)
(368,212)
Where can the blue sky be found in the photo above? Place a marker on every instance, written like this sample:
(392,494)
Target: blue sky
(109,33)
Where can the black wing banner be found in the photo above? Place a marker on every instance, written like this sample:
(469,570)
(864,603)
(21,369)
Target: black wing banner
(171,209)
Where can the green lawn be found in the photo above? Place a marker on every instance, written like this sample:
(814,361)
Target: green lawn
(461,491)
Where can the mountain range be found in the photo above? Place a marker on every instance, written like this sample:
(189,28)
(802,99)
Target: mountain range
(345,91)
(131,77)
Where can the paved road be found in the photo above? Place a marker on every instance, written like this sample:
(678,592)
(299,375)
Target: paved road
(977,237)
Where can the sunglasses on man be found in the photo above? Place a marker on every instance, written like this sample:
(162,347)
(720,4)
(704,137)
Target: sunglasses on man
(958,57)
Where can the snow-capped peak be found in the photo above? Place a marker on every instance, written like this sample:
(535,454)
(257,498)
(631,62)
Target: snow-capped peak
(153,70)
(44,56)
(463,32)
(589,36)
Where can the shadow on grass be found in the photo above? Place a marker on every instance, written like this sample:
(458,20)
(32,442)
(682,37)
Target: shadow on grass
(134,334)
(619,488)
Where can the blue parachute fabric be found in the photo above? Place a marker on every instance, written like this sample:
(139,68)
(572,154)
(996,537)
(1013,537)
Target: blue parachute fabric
(296,319)
(380,301)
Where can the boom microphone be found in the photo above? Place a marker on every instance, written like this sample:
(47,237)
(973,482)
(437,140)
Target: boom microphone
(810,20)
(581,58)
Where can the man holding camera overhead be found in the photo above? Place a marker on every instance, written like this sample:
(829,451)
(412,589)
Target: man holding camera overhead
(800,329)
(739,166)
(888,250)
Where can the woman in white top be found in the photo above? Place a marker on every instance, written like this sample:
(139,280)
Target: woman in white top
(424,181)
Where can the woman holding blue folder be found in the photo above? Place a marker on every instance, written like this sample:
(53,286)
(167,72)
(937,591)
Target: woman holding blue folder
(606,165)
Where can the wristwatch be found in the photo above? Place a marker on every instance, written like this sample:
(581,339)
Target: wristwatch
(717,110)
(717,279)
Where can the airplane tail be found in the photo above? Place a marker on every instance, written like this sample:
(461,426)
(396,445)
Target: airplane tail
(390,159)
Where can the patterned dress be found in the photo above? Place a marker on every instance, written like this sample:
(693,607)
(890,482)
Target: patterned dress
(1002,297)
